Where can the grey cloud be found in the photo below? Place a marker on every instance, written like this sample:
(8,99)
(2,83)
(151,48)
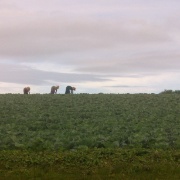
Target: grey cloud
(152,62)
(31,35)
(124,86)
(25,75)
(35,33)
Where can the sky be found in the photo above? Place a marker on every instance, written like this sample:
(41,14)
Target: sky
(108,46)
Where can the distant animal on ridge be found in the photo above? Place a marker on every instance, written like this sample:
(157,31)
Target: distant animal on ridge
(69,90)
(26,90)
(54,89)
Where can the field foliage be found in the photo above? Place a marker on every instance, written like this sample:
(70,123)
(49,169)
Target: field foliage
(83,121)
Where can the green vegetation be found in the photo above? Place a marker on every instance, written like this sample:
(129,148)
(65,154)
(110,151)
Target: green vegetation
(90,136)
(39,122)
(169,91)
(91,164)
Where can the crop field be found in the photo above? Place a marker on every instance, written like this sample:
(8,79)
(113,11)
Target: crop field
(89,126)
(72,121)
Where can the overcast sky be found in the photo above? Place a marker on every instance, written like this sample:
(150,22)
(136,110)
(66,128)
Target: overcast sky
(109,46)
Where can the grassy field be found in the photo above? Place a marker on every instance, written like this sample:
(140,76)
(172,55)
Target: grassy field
(91,164)
(83,136)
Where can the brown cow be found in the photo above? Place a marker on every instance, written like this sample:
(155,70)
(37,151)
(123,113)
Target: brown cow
(26,90)
(54,89)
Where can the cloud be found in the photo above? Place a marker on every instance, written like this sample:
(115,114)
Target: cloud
(26,75)
(41,38)
(124,86)
(141,64)
(27,34)
(90,42)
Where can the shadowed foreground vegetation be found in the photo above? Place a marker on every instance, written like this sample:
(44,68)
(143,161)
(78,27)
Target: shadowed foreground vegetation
(91,164)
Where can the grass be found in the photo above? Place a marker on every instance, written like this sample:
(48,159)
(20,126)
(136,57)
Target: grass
(90,137)
(91,164)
